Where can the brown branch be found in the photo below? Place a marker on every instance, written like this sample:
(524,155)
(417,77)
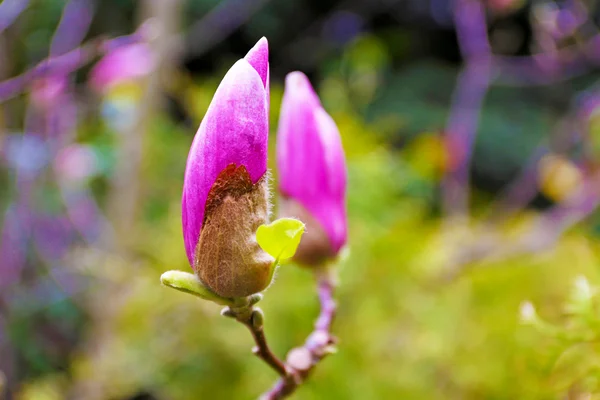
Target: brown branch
(252,318)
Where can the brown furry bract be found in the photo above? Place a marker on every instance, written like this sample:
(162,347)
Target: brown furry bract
(228,260)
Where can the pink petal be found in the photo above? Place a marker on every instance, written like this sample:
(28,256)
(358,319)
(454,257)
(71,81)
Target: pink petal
(310,158)
(234,131)
(258,57)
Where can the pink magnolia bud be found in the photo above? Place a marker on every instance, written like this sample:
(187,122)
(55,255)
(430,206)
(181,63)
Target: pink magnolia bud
(225,192)
(312,171)
(122,64)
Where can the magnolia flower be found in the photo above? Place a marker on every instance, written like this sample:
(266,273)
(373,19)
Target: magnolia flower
(312,171)
(225,192)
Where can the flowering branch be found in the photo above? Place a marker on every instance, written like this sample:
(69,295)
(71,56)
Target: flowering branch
(231,247)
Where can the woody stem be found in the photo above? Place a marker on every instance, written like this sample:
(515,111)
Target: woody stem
(263,351)
(252,318)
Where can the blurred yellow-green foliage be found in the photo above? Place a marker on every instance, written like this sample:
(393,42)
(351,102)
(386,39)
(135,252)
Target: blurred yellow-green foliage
(403,332)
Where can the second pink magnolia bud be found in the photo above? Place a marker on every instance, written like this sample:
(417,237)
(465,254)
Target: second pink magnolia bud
(312,172)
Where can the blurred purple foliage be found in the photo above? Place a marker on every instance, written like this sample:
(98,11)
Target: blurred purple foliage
(10,10)
(482,68)
(46,157)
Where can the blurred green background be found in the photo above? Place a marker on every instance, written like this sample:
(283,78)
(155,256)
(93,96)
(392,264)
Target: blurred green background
(417,319)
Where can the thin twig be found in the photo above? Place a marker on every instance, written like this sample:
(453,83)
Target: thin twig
(544,232)
(74,25)
(302,360)
(63,64)
(546,69)
(252,318)
(10,10)
(468,97)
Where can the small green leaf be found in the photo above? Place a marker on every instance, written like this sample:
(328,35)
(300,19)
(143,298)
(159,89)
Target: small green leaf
(280,238)
(189,283)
